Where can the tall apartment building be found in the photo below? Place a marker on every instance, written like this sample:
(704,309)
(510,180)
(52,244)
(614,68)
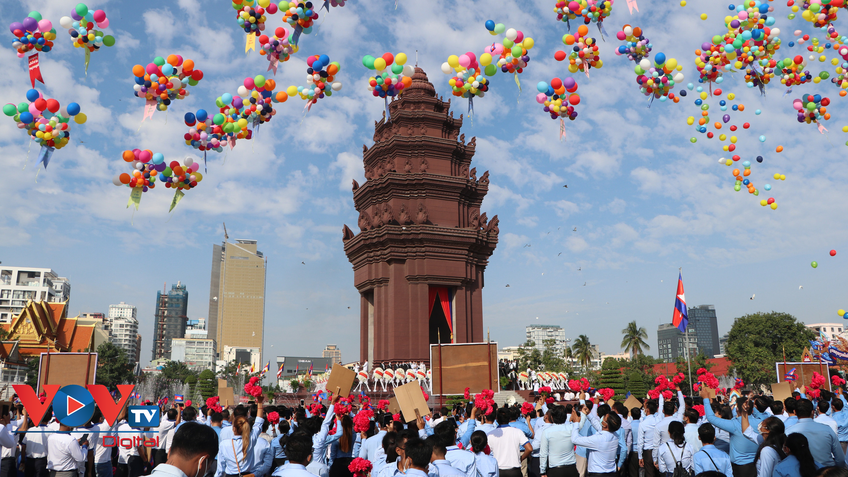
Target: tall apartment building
(19,284)
(237,306)
(197,354)
(539,333)
(333,352)
(171,319)
(704,325)
(123,329)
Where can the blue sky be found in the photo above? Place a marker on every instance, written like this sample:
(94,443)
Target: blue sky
(644,200)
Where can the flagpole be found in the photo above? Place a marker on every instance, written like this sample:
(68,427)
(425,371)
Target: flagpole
(688,351)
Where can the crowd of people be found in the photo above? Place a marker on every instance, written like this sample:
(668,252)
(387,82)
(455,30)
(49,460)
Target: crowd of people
(755,436)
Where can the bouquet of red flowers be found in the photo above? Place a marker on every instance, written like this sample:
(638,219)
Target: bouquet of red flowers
(212,403)
(545,391)
(653,394)
(383,405)
(678,379)
(485,401)
(250,388)
(360,467)
(362,420)
(274,417)
(527,409)
(817,381)
(467,395)
(814,393)
(364,401)
(343,406)
(739,384)
(661,382)
(837,381)
(699,408)
(708,379)
(549,400)
(607,393)
(426,396)
(584,384)
(667,394)
(574,385)
(316,409)
(701,371)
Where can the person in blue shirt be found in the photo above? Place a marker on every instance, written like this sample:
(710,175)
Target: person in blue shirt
(840,415)
(235,454)
(742,450)
(539,426)
(799,461)
(789,408)
(298,448)
(263,456)
(417,458)
(439,466)
(462,460)
(522,424)
(277,444)
(769,435)
(824,444)
(556,451)
(633,462)
(710,458)
(486,465)
(345,443)
(192,453)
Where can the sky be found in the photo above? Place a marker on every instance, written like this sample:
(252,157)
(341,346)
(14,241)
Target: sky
(643,199)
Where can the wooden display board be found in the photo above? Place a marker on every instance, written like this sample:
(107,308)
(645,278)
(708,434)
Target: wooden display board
(411,400)
(803,372)
(781,391)
(632,402)
(66,368)
(469,365)
(225,397)
(341,380)
(394,407)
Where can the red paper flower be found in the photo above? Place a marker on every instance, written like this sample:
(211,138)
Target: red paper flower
(467,395)
(274,417)
(212,403)
(814,393)
(250,388)
(585,386)
(343,406)
(667,394)
(426,396)
(362,420)
(653,394)
(359,467)
(545,391)
(315,409)
(708,380)
(527,409)
(549,400)
(699,408)
(836,380)
(574,385)
(396,417)
(383,405)
(607,393)
(485,401)
(678,379)
(817,381)
(701,371)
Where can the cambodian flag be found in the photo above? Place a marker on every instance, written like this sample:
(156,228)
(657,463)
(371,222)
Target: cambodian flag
(790,376)
(681,315)
(178,398)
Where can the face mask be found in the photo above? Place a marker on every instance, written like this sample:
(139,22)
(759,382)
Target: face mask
(199,463)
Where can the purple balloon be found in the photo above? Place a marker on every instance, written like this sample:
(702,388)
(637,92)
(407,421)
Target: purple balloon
(160,167)
(30,24)
(726,118)
(75,16)
(238,102)
(569,82)
(16,26)
(734,23)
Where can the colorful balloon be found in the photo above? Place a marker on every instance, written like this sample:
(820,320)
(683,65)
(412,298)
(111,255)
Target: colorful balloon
(45,121)
(81,28)
(165,80)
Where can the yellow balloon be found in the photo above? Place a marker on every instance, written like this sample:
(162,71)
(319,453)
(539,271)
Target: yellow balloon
(379,64)
(731,96)
(264,3)
(400,58)
(485,59)
(764,202)
(774,206)
(528,43)
(80,118)
(703,16)
(722,137)
(691,120)
(291,90)
(704,95)
(671,63)
(600,64)
(198,176)
(733,139)
(453,60)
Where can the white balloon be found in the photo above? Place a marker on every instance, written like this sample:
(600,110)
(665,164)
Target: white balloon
(188,161)
(337,86)
(66,22)
(177,83)
(136,87)
(511,34)
(117,180)
(243,92)
(645,64)
(446,68)
(409,70)
(678,78)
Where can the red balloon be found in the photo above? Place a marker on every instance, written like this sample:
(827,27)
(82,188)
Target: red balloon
(390,58)
(833,253)
(556,83)
(272,8)
(559,55)
(40,104)
(280,32)
(197,75)
(52,105)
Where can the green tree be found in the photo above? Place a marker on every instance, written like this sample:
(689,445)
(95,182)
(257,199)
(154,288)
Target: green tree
(552,359)
(207,384)
(611,378)
(634,338)
(113,367)
(32,372)
(757,341)
(529,356)
(583,351)
(635,383)
(176,370)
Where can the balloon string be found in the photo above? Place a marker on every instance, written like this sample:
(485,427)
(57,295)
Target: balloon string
(29,146)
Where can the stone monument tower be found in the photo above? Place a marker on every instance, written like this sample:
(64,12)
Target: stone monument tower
(423,244)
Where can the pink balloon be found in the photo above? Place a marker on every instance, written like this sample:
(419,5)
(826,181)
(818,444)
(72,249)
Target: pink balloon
(541,97)
(144,156)
(151,68)
(33,110)
(99,16)
(519,37)
(45,25)
(465,61)
(103,24)
(248,83)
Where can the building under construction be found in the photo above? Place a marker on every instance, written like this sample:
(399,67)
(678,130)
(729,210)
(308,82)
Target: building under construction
(171,319)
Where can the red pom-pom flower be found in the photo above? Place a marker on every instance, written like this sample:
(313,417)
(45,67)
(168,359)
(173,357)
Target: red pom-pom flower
(527,409)
(359,467)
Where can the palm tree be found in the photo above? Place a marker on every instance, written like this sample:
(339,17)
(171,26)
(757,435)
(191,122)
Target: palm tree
(582,350)
(634,339)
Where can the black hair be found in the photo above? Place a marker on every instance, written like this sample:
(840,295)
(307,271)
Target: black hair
(668,408)
(833,471)
(98,414)
(740,406)
(776,437)
(479,441)
(216,417)
(438,446)
(503,416)
(804,408)
(687,401)
(172,414)
(189,413)
(298,447)
(620,409)
(419,452)
(390,442)
(706,433)
(675,431)
(193,439)
(613,422)
(312,425)
(790,404)
(726,412)
(777,408)
(761,403)
(636,413)
(823,406)
(837,405)
(711,473)
(558,414)
(799,446)
(652,406)
(240,411)
(283,427)
(692,416)
(603,410)
(224,414)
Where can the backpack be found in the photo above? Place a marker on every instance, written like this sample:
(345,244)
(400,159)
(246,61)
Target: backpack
(679,470)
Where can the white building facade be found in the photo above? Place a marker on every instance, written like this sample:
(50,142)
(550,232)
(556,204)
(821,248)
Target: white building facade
(539,333)
(19,284)
(123,329)
(197,354)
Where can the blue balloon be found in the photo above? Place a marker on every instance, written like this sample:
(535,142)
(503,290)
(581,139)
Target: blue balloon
(490,25)
(32,95)
(731,7)
(158,158)
(746,182)
(26,117)
(190,118)
(542,87)
(73,109)
(659,58)
(227,98)
(767,187)
(202,115)
(167,69)
(760,159)
(762,139)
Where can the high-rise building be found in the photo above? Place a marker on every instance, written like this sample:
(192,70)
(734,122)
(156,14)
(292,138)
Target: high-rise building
(197,354)
(723,343)
(123,329)
(671,343)
(171,310)
(333,352)
(237,307)
(539,333)
(245,356)
(196,329)
(19,284)
(704,326)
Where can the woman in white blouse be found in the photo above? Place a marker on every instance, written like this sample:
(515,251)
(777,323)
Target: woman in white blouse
(487,466)
(674,450)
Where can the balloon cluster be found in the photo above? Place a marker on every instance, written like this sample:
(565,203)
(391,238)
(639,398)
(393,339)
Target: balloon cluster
(742,179)
(251,17)
(81,25)
(299,15)
(253,103)
(276,48)
(511,54)
(819,13)
(635,46)
(146,168)
(559,97)
(204,133)
(46,122)
(320,76)
(34,33)
(165,80)
(182,177)
(584,53)
(393,75)
(792,70)
(468,81)
(592,11)
(811,108)
(658,80)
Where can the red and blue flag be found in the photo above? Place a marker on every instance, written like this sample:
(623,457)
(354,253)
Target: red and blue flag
(681,315)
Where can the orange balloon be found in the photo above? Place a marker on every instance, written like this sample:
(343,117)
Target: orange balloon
(747,173)
(583,30)
(717,125)
(188,65)
(569,39)
(128,156)
(125,178)
(741,107)
(282,97)
(138,71)
(735,172)
(827,116)
(843,93)
(637,32)
(779,149)
(739,178)
(332,69)
(173,60)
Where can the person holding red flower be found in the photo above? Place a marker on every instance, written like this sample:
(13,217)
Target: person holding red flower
(236,454)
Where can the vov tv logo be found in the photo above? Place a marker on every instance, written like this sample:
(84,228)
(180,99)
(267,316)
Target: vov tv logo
(73,405)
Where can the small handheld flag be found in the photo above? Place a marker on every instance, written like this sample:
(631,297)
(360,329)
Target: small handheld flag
(178,398)
(680,318)
(790,376)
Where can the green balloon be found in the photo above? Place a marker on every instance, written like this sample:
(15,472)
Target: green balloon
(500,28)
(10,110)
(36,15)
(824,75)
(397,69)
(158,61)
(167,172)
(192,82)
(693,140)
(791,16)
(491,69)
(815,264)
(259,81)
(516,51)
(368,62)
(23,107)
(328,92)
(507,43)
(756,192)
(638,69)
(737,187)
(219,119)
(717,40)
(219,102)
(109,40)
(81,9)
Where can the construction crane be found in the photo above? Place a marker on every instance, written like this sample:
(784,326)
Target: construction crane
(226,237)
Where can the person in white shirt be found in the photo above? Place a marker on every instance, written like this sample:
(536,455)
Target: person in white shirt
(9,444)
(160,455)
(131,458)
(602,447)
(102,460)
(64,454)
(674,450)
(298,450)
(690,431)
(192,452)
(505,443)
(661,434)
(35,446)
(823,418)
